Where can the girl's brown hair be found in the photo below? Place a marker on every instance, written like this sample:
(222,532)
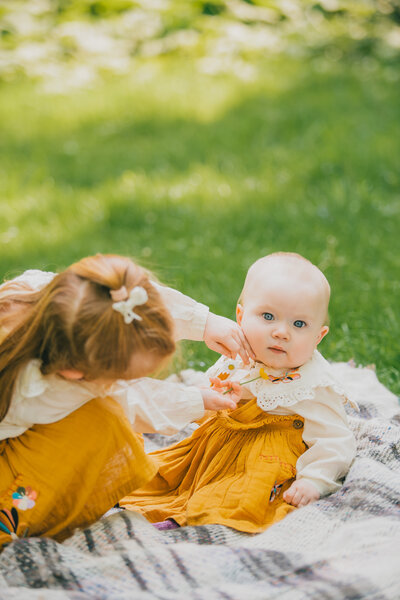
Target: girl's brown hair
(71,323)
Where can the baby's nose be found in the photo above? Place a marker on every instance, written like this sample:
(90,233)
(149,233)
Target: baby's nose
(281,331)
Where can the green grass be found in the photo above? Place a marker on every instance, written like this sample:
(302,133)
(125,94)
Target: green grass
(197,177)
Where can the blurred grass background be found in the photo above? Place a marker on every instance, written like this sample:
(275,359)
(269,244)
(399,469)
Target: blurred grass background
(197,160)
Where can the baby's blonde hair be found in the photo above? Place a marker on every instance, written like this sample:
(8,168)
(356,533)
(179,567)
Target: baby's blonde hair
(288,256)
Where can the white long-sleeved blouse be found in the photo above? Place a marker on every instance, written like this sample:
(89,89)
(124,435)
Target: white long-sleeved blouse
(150,404)
(313,393)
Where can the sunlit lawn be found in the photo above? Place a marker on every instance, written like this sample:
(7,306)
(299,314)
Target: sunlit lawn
(198,176)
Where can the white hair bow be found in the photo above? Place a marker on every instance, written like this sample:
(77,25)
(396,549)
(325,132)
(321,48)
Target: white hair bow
(137,296)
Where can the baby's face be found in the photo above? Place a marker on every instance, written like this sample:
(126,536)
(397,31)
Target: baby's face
(283,315)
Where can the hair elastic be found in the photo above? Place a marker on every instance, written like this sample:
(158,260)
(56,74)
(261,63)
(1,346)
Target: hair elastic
(136,297)
(119,294)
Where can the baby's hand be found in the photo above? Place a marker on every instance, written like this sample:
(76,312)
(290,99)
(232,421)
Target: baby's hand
(300,493)
(226,337)
(215,400)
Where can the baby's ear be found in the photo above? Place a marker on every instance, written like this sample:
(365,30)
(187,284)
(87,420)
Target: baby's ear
(322,333)
(239,313)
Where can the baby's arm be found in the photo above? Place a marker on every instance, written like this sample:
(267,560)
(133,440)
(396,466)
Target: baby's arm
(194,321)
(331,448)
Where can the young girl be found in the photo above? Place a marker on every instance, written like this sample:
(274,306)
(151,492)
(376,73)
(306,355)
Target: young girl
(288,442)
(71,348)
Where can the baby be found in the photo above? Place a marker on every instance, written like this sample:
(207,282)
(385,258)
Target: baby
(283,311)
(288,442)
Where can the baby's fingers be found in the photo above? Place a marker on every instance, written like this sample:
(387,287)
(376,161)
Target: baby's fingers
(296,498)
(304,500)
(290,494)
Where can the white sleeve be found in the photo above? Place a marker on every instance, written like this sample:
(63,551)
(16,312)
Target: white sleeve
(35,279)
(331,443)
(158,406)
(189,316)
(42,399)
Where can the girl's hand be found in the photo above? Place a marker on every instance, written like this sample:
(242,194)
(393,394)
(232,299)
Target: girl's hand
(226,337)
(214,400)
(301,493)
(223,387)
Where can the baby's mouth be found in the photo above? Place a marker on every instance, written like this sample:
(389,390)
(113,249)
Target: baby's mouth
(277,350)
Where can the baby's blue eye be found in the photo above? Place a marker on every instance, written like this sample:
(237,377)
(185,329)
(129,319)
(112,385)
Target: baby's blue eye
(299,323)
(268,316)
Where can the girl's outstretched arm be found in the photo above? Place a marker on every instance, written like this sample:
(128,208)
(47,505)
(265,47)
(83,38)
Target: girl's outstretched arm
(194,321)
(155,406)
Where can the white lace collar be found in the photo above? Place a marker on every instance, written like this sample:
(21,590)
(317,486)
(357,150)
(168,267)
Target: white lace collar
(299,384)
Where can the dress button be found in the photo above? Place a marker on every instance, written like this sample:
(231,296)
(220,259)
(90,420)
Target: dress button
(297,424)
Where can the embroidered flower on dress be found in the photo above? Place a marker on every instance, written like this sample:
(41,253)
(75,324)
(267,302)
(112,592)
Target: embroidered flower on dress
(11,525)
(9,522)
(24,498)
(276,490)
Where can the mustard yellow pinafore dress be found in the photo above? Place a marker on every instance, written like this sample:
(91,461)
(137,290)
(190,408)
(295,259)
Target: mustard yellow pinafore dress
(60,476)
(232,471)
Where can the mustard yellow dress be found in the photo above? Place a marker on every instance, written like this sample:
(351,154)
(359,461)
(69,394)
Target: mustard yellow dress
(235,467)
(232,471)
(58,476)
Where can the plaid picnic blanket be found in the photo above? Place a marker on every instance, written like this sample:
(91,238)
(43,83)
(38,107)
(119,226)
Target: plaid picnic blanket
(343,547)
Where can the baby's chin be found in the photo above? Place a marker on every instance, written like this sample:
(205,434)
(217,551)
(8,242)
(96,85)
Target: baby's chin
(280,360)
(277,363)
